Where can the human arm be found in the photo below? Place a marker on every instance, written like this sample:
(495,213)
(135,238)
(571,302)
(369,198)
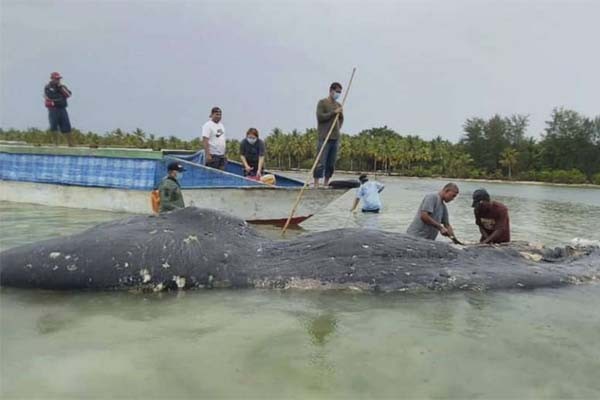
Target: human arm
(484,234)
(380,187)
(500,228)
(356,201)
(206,147)
(262,149)
(65,90)
(261,164)
(324,112)
(247,166)
(427,219)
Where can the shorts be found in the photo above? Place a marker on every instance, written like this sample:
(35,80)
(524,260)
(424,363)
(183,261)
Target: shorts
(59,118)
(218,162)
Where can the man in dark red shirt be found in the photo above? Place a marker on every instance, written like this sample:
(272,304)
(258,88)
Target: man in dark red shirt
(491,217)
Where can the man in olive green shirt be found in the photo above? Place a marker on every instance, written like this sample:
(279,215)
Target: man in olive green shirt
(169,189)
(327,109)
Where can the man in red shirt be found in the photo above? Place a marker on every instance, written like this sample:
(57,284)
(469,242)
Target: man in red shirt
(491,217)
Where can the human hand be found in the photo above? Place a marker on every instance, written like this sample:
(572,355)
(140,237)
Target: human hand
(247,168)
(444,231)
(208,157)
(338,110)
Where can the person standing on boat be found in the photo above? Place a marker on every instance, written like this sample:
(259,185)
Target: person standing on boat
(368,192)
(432,215)
(213,137)
(327,109)
(55,97)
(169,189)
(491,217)
(252,154)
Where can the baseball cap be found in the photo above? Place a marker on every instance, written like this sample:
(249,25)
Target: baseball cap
(479,195)
(55,75)
(175,166)
(363,178)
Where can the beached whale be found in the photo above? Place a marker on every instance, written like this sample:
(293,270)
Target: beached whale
(201,248)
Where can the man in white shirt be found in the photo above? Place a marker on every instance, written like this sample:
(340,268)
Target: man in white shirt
(368,192)
(213,137)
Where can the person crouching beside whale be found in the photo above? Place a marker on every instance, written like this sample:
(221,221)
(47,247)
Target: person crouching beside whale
(491,217)
(432,215)
(169,189)
(368,192)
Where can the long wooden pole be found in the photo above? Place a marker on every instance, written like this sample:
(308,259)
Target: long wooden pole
(310,174)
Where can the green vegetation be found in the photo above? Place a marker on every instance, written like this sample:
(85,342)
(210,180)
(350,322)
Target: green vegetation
(497,148)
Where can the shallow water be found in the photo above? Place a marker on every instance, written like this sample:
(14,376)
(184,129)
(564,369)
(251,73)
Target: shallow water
(258,343)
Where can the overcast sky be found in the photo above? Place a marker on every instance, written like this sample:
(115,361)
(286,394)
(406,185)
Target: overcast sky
(423,67)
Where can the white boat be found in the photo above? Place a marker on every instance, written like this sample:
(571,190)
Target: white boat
(121,180)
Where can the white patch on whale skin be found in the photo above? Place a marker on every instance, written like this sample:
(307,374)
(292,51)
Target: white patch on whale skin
(126,265)
(71,267)
(166,265)
(531,256)
(145,274)
(54,254)
(68,257)
(153,232)
(29,266)
(365,246)
(179,281)
(580,242)
(191,238)
(55,268)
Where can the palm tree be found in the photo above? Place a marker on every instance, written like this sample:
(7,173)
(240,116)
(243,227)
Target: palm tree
(508,159)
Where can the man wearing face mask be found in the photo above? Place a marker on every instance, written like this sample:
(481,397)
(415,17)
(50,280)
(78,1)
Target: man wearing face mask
(252,154)
(169,189)
(327,109)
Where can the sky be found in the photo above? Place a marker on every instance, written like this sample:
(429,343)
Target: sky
(423,67)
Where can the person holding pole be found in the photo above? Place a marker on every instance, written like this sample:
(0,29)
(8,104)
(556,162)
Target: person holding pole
(327,109)
(337,88)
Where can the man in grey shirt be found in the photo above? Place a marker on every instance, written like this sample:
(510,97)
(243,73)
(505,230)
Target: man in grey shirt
(432,215)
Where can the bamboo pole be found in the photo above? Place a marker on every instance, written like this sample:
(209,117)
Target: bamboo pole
(310,174)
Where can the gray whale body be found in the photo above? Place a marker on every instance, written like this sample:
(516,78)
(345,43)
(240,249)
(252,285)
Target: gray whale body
(201,248)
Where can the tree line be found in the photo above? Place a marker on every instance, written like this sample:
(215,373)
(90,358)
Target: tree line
(494,148)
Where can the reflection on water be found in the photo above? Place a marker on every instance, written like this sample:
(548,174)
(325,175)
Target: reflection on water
(287,344)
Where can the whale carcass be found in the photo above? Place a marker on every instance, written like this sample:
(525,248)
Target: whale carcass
(202,248)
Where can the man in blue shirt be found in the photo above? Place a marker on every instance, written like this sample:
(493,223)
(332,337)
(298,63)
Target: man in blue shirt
(368,192)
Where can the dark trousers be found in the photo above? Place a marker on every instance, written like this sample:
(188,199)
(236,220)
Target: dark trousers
(59,119)
(218,162)
(328,158)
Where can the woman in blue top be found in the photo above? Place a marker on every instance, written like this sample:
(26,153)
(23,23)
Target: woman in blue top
(368,192)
